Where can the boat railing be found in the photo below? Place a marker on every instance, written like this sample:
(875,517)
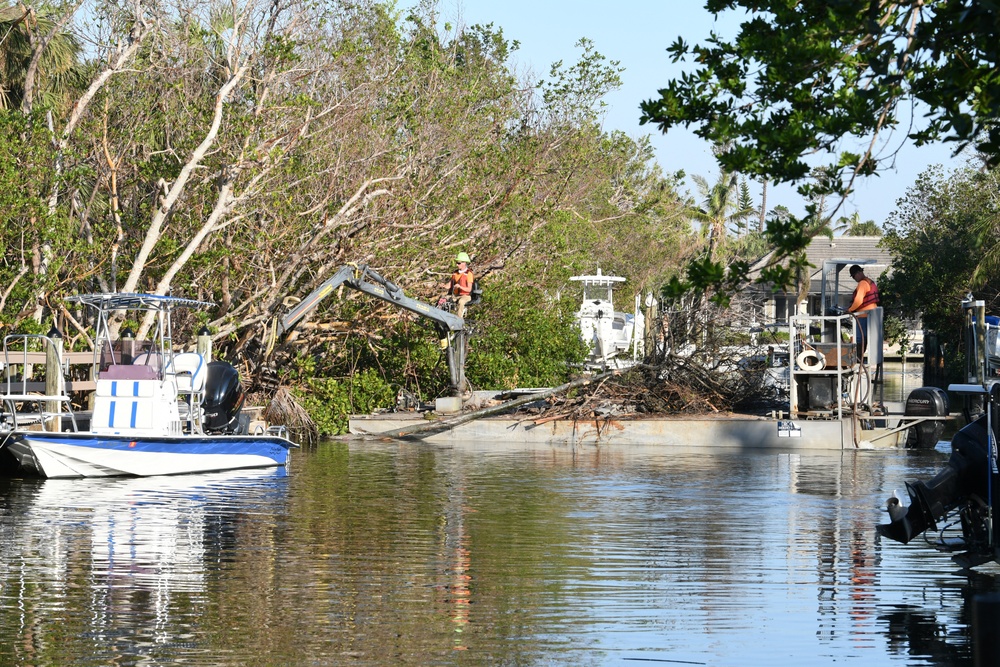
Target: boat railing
(280,431)
(27,401)
(820,358)
(189,373)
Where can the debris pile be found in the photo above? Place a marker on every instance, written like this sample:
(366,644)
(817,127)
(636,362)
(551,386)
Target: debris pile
(677,385)
(284,410)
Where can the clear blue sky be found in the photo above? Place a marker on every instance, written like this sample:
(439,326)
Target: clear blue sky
(637,33)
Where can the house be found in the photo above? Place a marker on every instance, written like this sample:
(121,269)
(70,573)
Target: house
(779,306)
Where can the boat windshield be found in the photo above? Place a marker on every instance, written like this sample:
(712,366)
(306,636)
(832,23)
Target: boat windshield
(597,292)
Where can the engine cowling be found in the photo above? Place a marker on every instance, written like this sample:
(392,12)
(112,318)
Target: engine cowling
(926,402)
(224,398)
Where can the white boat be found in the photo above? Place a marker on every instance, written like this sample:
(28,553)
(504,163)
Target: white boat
(616,339)
(155,411)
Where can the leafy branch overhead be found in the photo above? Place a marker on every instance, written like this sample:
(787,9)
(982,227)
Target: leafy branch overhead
(808,82)
(804,75)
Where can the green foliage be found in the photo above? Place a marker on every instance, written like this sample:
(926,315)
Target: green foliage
(331,401)
(894,332)
(574,93)
(59,70)
(523,341)
(751,246)
(936,250)
(30,237)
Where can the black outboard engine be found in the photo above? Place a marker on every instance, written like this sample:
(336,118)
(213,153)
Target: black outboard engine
(964,484)
(926,402)
(224,399)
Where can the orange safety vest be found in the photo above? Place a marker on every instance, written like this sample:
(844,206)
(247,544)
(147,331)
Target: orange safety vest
(461,283)
(871,298)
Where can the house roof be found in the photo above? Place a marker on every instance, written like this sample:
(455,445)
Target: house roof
(850,248)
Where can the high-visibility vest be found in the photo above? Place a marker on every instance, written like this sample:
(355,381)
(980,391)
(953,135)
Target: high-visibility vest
(871,298)
(461,283)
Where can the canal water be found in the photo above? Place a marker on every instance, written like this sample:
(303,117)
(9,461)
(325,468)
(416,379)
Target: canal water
(487,554)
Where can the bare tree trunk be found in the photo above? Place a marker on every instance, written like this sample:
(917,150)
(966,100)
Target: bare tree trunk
(763,206)
(177,187)
(223,205)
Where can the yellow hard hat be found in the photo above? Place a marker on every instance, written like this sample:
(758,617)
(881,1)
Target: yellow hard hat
(463,257)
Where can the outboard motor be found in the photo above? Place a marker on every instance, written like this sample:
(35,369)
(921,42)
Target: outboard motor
(926,402)
(224,398)
(964,484)
(964,475)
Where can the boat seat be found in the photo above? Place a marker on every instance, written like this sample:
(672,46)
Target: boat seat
(124,404)
(129,372)
(189,371)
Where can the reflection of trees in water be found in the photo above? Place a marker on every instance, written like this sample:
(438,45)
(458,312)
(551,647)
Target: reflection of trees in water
(900,380)
(378,553)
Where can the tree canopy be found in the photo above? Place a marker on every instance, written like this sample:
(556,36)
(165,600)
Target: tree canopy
(239,153)
(808,77)
(936,239)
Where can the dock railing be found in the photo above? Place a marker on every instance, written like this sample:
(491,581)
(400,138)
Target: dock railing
(30,396)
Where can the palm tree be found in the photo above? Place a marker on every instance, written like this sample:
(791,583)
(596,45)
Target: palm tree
(23,75)
(855,227)
(720,207)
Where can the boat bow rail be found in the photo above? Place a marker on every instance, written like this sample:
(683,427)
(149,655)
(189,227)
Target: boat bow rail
(29,403)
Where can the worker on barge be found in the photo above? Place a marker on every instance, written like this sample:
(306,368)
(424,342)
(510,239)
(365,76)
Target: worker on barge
(460,285)
(865,299)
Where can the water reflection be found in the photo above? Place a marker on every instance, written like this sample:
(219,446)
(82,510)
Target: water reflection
(102,560)
(900,379)
(409,554)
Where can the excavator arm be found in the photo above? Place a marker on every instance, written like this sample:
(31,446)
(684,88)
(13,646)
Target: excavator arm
(365,279)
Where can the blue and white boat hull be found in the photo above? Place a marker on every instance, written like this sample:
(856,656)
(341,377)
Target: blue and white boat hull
(70,455)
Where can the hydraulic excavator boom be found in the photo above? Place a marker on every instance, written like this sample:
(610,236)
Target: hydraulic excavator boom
(365,279)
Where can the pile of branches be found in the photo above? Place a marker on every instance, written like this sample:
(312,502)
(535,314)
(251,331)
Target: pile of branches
(676,387)
(284,410)
(696,364)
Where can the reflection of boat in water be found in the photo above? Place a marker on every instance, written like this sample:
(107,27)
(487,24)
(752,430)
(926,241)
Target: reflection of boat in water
(615,339)
(155,411)
(150,533)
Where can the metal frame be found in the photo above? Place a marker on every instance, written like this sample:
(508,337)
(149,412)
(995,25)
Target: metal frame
(364,279)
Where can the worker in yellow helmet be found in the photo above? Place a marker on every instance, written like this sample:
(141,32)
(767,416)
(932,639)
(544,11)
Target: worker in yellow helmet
(460,285)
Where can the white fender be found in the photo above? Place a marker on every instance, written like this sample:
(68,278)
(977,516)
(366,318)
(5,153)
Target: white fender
(810,361)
